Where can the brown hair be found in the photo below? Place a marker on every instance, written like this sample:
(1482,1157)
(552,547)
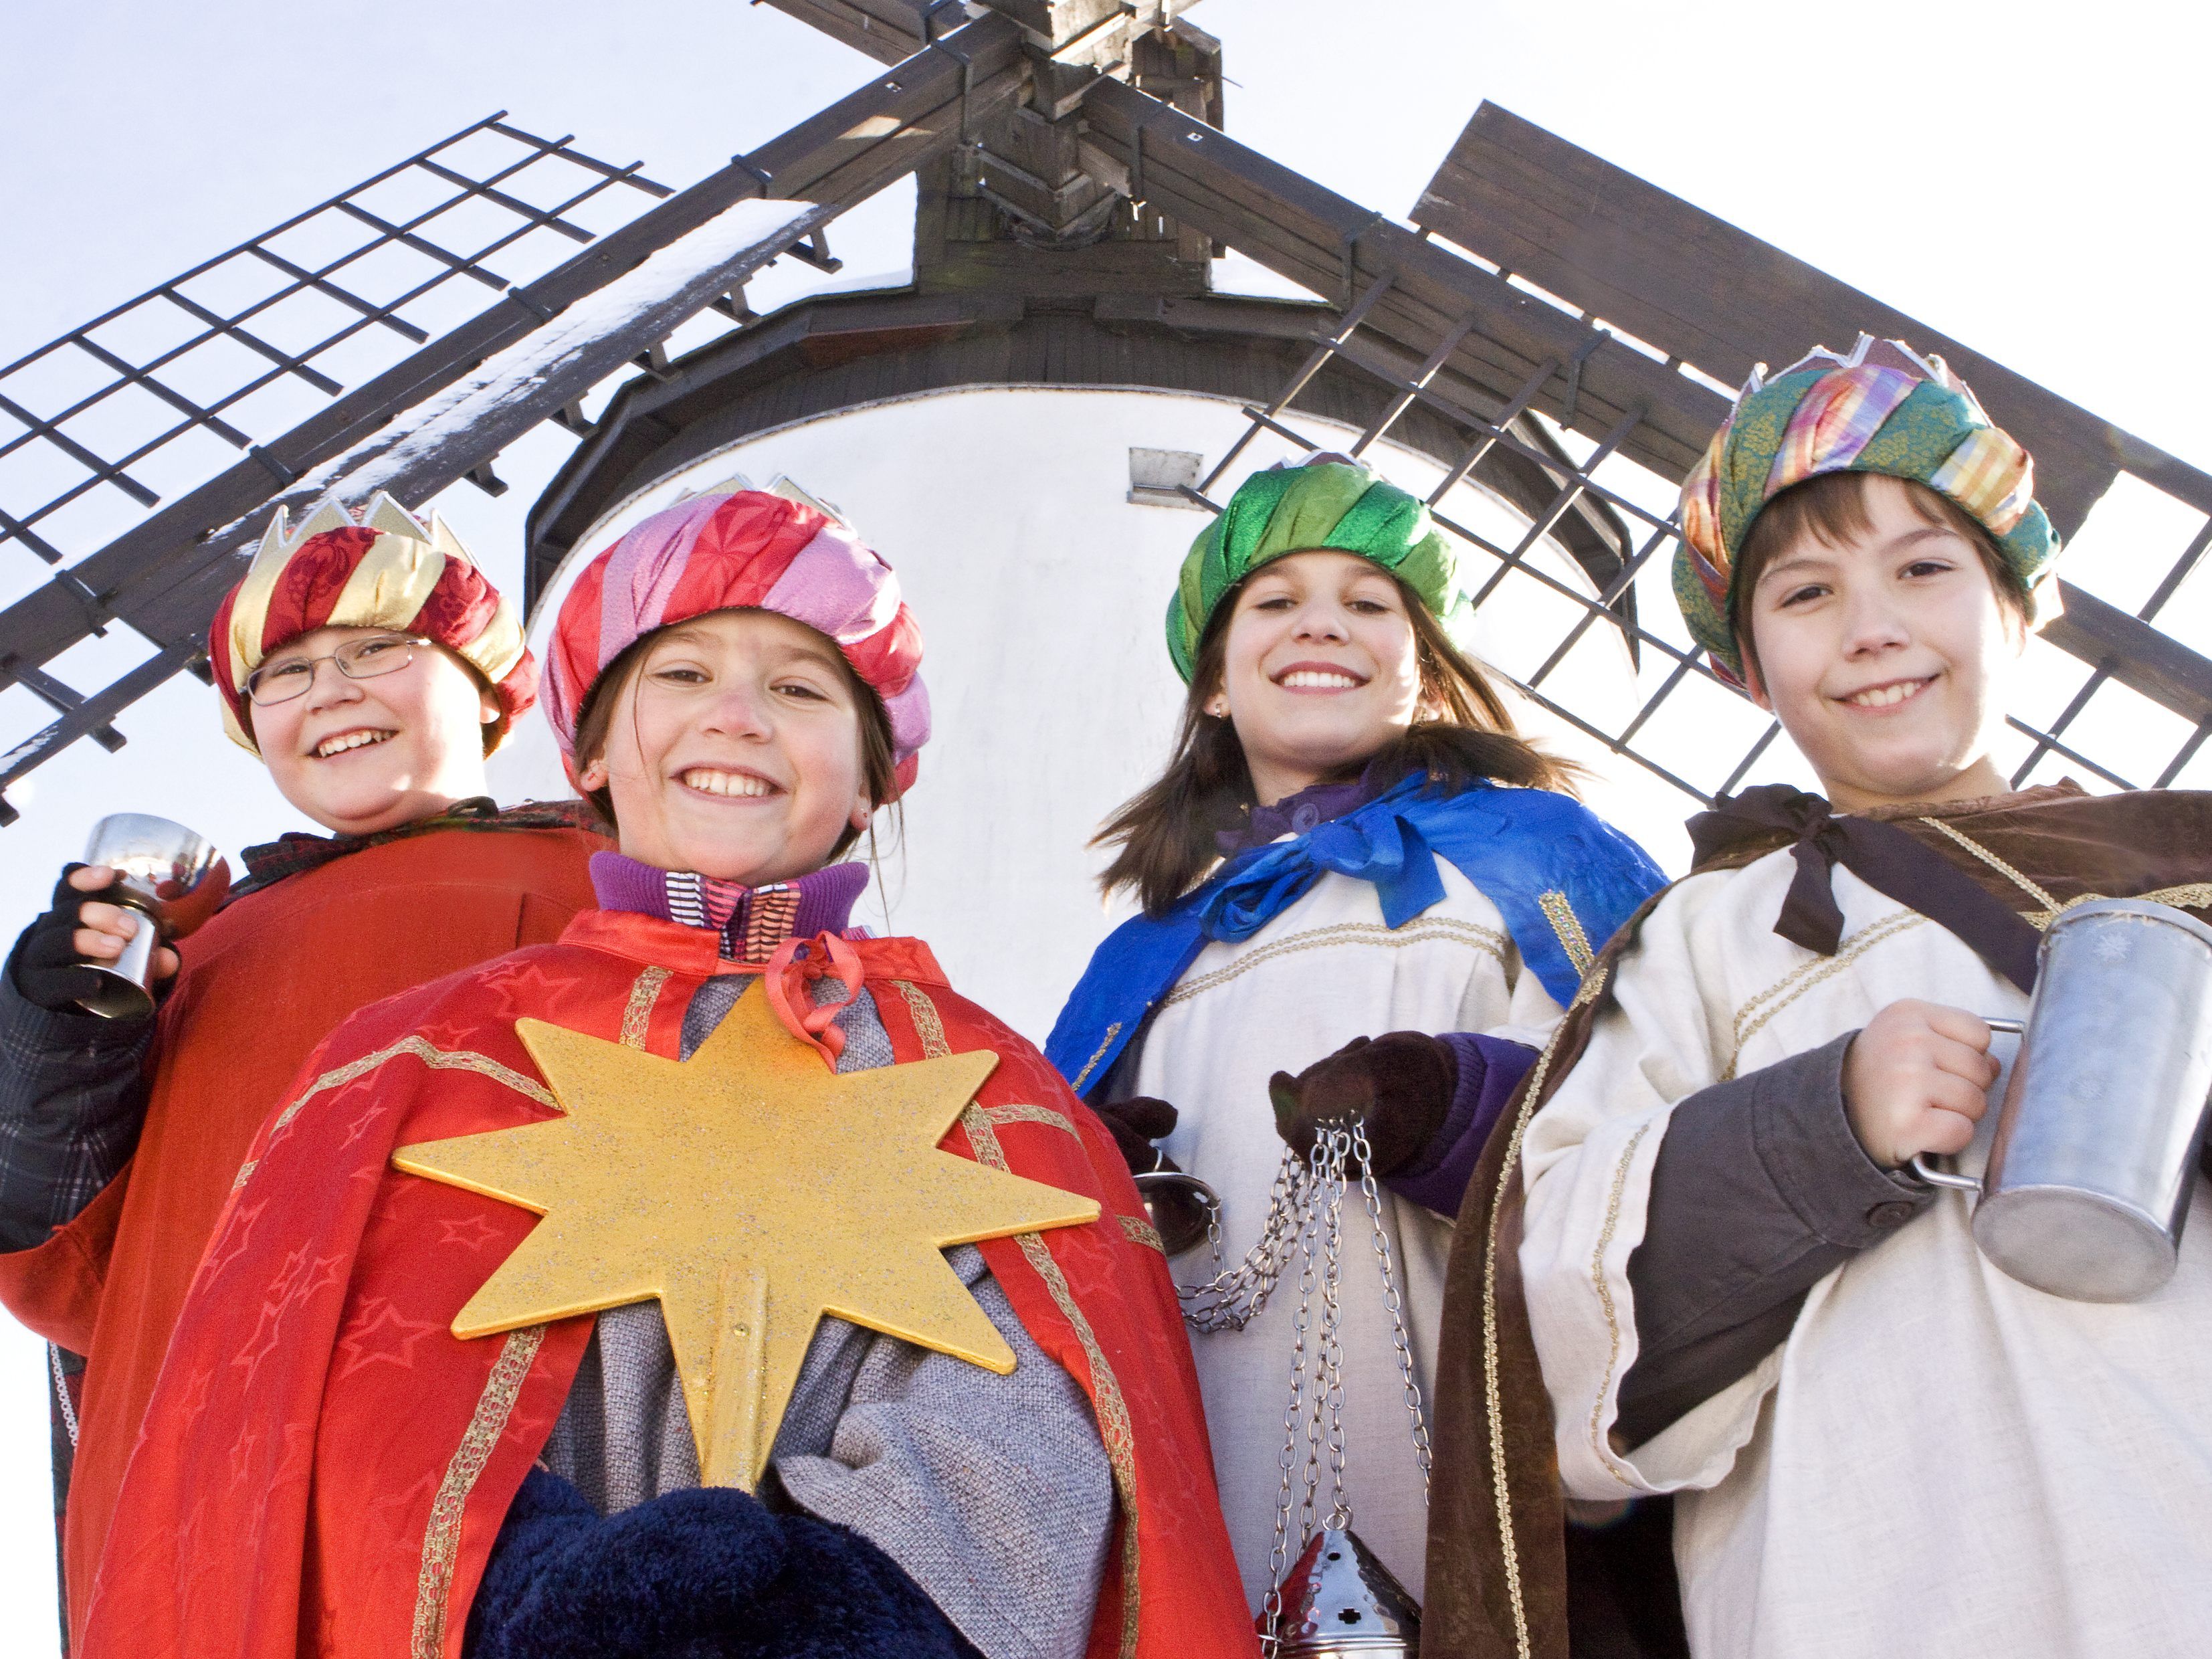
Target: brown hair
(878,763)
(1166,832)
(1831,508)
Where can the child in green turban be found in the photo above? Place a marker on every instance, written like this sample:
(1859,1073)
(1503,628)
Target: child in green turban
(1350,846)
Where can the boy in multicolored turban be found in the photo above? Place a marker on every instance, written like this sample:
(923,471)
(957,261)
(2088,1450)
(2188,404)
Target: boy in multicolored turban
(371,667)
(1730,1287)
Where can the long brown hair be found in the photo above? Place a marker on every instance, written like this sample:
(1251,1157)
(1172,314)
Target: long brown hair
(878,760)
(1165,833)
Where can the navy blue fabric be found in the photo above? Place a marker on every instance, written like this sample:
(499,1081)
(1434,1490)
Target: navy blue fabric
(708,1574)
(1514,845)
(1490,1073)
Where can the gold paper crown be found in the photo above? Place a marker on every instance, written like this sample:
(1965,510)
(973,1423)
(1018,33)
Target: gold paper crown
(383,513)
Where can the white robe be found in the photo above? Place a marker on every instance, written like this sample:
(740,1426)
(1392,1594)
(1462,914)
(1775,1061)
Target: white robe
(1324,971)
(1938,1460)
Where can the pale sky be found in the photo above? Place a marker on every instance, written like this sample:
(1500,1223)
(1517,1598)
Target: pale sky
(2028,179)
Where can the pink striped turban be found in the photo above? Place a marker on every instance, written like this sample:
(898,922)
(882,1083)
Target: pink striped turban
(741,549)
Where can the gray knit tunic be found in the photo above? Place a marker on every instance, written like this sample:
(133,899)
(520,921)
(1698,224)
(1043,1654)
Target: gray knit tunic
(992,1492)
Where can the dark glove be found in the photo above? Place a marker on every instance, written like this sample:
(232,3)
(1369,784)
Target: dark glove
(707,1574)
(1136,1124)
(1399,1086)
(44,967)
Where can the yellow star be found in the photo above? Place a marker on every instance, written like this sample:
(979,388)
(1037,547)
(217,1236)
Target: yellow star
(752,1191)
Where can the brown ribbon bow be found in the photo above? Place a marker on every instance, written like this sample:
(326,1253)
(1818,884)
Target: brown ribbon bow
(1885,857)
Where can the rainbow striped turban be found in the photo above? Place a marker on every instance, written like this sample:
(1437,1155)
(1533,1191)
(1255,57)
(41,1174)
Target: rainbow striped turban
(1884,409)
(388,571)
(732,549)
(1330,502)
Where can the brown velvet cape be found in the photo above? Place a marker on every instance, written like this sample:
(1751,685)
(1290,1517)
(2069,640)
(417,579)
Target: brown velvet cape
(1498,1579)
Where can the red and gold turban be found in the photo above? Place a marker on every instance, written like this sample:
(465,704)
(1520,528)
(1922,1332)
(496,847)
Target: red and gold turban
(388,571)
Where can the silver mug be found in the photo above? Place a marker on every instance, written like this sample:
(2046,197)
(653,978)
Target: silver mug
(2095,1155)
(172,878)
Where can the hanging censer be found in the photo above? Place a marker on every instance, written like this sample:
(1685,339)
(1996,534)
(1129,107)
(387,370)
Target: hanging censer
(1335,1597)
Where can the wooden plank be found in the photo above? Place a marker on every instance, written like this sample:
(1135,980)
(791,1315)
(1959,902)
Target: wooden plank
(888,31)
(1701,289)
(2134,652)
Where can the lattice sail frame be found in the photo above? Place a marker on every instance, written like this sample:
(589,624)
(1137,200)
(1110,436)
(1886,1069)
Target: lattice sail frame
(1445,327)
(1676,681)
(416,426)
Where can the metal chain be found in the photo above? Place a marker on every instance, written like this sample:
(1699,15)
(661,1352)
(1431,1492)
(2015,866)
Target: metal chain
(1306,1219)
(1395,1302)
(1288,1180)
(60,1392)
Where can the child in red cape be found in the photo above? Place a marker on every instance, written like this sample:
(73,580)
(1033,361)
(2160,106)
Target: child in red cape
(328,1470)
(371,668)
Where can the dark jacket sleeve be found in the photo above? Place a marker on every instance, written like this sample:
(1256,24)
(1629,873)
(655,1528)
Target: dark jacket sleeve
(72,1100)
(1760,1190)
(707,1574)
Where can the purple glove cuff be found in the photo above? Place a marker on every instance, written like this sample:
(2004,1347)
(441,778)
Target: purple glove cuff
(1490,1070)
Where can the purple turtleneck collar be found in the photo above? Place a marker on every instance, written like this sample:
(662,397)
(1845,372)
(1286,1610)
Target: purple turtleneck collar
(1294,815)
(751,920)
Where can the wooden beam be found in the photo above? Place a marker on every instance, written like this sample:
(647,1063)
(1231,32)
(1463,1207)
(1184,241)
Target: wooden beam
(2133,653)
(1700,289)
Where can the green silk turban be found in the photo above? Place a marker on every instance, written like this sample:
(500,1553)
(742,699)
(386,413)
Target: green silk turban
(1335,505)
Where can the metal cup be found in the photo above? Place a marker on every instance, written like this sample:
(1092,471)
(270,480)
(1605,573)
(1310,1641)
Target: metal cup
(2097,1143)
(172,877)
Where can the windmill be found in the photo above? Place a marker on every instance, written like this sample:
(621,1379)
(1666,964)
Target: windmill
(1056,392)
(1031,426)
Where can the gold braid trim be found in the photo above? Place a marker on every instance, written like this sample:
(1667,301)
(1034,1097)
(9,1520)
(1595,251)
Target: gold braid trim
(441,1539)
(1422,930)
(1140,1231)
(1568,927)
(1019,1112)
(2047,900)
(1096,1054)
(2192,896)
(1605,1301)
(1113,1427)
(437,1059)
(1803,978)
(637,1016)
(1492,1400)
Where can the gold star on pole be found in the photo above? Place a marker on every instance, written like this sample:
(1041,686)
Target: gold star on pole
(752,1191)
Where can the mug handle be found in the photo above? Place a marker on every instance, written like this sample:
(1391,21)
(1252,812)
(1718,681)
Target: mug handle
(1927,1173)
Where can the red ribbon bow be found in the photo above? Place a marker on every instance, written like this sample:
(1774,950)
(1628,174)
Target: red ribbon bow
(790,973)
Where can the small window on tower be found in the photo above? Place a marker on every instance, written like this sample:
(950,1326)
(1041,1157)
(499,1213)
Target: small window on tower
(1158,478)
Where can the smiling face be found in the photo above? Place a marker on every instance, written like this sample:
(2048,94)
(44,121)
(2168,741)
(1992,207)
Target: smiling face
(1320,669)
(1886,656)
(733,749)
(361,755)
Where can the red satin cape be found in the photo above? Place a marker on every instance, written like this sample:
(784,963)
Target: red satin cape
(324,1466)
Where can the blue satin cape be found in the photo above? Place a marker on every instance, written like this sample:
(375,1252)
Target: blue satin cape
(1563,878)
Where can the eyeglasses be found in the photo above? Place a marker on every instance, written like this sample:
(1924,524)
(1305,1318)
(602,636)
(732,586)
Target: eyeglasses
(357,660)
